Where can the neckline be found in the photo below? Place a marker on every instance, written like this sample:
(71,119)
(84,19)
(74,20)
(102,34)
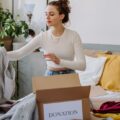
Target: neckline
(57,37)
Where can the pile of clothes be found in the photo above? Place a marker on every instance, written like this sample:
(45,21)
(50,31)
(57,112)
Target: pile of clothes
(7,81)
(11,109)
(108,109)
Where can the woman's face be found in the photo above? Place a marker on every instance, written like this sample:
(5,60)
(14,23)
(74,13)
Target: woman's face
(52,16)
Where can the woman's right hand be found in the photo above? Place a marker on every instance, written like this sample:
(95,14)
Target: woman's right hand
(52,57)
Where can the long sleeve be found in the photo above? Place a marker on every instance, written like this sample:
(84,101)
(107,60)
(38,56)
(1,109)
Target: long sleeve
(35,43)
(79,62)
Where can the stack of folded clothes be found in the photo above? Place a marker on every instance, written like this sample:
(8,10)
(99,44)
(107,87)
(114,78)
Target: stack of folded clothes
(108,109)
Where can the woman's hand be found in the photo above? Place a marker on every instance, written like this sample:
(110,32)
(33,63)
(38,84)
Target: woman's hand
(52,57)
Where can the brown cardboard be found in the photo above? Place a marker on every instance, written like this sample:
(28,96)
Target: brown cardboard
(56,81)
(60,88)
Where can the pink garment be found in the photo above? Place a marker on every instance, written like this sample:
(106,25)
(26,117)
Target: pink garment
(109,107)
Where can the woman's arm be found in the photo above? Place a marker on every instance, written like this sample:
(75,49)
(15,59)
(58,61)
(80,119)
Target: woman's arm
(79,63)
(35,43)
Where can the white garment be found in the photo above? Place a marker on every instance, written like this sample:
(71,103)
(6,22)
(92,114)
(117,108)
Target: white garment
(25,109)
(7,76)
(29,38)
(97,101)
(67,47)
(93,71)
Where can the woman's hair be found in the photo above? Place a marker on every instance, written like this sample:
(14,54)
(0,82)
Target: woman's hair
(63,8)
(31,32)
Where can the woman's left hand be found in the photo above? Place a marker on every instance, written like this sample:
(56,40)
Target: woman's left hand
(52,57)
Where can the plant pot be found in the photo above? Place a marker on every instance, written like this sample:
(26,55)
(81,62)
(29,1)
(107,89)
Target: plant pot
(8,43)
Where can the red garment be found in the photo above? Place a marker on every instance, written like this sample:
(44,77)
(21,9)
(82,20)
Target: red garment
(109,107)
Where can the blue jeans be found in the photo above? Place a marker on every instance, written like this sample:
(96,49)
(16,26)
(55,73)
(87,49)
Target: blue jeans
(51,72)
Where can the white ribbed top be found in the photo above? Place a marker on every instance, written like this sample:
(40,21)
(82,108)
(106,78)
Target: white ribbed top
(67,47)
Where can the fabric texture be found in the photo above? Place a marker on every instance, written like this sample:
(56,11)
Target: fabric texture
(108,107)
(25,109)
(93,71)
(97,101)
(108,116)
(110,79)
(7,105)
(7,77)
(67,47)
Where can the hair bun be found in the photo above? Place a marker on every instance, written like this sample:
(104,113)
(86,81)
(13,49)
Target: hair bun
(65,2)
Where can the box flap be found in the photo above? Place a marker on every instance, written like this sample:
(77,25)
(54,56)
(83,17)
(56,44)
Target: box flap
(55,81)
(60,94)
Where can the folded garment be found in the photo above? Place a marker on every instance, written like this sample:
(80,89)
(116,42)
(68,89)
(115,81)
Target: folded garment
(97,101)
(109,107)
(113,116)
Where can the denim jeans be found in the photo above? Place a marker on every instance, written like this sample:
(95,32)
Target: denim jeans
(50,72)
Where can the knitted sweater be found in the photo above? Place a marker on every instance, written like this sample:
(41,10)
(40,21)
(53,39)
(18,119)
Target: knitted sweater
(67,47)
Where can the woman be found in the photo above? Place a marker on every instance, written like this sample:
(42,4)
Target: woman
(62,47)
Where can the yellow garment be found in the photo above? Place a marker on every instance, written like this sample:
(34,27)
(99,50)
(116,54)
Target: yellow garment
(114,116)
(110,78)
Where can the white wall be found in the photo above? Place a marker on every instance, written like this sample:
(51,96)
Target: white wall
(97,21)
(8,5)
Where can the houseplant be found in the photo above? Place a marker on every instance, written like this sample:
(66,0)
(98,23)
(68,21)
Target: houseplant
(9,28)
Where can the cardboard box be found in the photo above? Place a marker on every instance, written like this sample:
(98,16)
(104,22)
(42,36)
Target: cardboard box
(60,97)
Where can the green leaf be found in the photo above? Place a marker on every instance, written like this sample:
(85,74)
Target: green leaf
(9,27)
